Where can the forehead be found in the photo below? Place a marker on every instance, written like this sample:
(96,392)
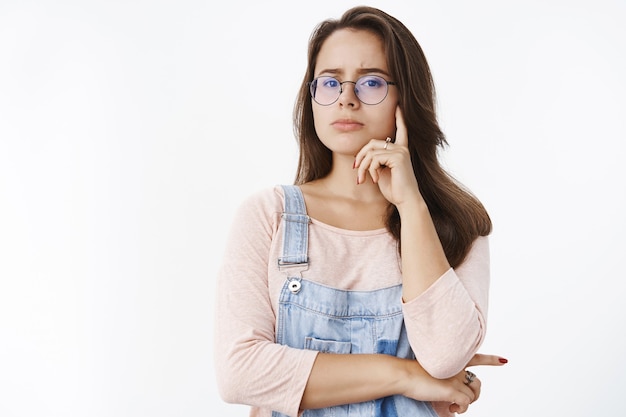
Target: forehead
(350,49)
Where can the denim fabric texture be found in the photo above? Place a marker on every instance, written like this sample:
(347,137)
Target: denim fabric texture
(331,320)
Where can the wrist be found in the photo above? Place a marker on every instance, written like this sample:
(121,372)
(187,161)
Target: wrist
(413,206)
(404,371)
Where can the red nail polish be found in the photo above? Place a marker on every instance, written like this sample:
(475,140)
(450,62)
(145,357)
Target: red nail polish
(502,360)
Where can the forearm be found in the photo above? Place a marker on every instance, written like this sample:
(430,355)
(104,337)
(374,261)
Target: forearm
(423,257)
(345,379)
(460,296)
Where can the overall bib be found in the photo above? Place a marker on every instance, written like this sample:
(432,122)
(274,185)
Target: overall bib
(317,317)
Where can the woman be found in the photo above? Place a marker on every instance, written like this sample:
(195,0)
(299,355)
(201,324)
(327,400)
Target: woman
(363,288)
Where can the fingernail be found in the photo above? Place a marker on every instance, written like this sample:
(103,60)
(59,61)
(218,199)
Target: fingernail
(502,360)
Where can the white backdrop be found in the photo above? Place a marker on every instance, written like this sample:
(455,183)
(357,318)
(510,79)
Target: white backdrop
(130,131)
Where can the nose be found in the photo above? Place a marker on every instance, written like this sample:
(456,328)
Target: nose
(347,96)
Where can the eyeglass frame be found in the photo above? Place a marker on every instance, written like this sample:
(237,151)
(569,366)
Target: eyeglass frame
(341,83)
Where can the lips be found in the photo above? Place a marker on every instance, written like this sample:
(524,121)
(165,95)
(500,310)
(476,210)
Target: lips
(347,125)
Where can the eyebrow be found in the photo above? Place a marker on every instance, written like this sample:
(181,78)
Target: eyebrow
(337,71)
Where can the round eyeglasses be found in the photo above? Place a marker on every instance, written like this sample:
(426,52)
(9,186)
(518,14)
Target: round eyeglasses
(369,89)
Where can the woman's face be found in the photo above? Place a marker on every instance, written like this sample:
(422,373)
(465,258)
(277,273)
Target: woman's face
(346,125)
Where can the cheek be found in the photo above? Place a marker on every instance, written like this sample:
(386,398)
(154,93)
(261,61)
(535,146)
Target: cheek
(387,121)
(319,117)
(388,114)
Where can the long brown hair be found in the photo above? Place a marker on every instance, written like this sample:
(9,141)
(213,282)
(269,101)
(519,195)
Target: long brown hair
(458,215)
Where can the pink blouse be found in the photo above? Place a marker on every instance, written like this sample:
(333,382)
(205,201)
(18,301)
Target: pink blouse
(445,325)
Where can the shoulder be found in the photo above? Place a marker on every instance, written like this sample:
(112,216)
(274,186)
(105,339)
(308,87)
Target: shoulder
(263,206)
(481,244)
(478,256)
(268,199)
(478,249)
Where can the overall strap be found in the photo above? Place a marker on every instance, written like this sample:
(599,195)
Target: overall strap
(295,230)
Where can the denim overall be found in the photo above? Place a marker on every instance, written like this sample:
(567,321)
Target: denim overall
(317,317)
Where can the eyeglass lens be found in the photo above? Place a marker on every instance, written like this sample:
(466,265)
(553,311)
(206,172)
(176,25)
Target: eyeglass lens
(370,89)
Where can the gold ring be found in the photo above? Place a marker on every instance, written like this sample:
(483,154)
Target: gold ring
(387,142)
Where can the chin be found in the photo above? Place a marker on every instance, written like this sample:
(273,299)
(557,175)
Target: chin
(345,146)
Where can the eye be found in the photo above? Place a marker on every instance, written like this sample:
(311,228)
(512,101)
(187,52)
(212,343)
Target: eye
(329,82)
(371,82)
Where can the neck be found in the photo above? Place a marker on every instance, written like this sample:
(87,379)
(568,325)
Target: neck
(342,181)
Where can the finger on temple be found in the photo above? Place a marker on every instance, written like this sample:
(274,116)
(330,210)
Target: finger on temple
(401,133)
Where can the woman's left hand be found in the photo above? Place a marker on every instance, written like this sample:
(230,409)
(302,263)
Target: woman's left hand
(389,165)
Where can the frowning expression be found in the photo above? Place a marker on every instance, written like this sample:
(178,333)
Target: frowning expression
(348,123)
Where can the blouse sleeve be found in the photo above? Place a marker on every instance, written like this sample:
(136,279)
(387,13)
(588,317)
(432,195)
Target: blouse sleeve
(447,323)
(250,367)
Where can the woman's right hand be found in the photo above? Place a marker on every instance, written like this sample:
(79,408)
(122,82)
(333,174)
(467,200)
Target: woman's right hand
(454,390)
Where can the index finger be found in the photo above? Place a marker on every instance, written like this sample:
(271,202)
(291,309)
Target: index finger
(482,359)
(401,133)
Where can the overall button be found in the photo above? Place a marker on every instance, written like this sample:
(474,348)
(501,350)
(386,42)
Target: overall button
(294,285)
